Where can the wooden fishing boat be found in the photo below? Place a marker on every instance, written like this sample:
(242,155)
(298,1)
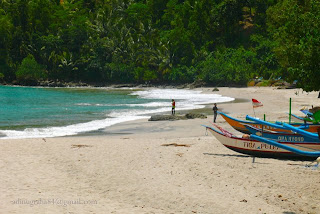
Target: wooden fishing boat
(257,148)
(299,151)
(239,125)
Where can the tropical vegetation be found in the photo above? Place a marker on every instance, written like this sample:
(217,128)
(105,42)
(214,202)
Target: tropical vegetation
(219,42)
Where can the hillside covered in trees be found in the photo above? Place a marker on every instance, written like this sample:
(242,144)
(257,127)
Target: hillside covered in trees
(219,42)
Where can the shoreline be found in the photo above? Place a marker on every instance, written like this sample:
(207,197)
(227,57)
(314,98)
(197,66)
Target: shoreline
(207,110)
(139,170)
(189,102)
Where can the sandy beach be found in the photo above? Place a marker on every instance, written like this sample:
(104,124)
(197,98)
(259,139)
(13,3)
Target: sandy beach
(134,169)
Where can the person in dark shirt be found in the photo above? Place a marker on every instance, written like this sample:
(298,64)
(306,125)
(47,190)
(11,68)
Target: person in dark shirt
(215,112)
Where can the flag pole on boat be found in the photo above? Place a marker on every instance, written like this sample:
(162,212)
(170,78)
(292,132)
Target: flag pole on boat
(255,104)
(290,111)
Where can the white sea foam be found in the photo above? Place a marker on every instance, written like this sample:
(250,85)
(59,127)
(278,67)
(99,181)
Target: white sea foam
(185,100)
(152,104)
(66,130)
(83,104)
(96,104)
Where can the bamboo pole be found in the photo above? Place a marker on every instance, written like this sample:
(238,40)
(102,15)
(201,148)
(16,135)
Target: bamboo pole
(290,111)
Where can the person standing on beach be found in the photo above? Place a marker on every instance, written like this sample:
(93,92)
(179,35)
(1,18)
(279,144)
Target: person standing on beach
(173,103)
(215,112)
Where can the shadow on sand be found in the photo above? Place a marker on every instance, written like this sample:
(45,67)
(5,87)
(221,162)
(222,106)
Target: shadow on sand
(238,156)
(228,155)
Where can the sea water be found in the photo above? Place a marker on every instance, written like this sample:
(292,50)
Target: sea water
(33,112)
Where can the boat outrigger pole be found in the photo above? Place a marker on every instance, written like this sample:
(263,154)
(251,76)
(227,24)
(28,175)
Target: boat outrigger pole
(262,122)
(280,125)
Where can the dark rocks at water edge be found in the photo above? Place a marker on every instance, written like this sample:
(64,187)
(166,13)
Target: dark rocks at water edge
(49,83)
(177,117)
(61,84)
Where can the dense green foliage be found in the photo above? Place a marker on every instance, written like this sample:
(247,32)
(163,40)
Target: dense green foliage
(295,26)
(30,72)
(221,42)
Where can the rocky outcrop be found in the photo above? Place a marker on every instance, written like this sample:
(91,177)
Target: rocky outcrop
(177,117)
(194,115)
(166,117)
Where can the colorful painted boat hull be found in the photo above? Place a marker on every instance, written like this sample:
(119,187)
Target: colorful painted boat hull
(259,149)
(280,137)
(239,125)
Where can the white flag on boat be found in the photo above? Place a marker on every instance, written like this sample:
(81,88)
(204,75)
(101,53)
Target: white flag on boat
(256,103)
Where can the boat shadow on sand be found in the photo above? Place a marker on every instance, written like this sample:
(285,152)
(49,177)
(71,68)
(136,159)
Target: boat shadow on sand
(228,155)
(291,162)
(238,156)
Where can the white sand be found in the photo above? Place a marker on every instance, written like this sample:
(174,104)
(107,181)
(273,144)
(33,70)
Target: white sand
(130,171)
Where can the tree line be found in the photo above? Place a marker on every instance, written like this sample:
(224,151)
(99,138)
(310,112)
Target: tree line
(219,42)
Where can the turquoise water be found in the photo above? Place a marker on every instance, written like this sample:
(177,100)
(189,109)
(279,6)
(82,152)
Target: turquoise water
(48,112)
(24,107)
